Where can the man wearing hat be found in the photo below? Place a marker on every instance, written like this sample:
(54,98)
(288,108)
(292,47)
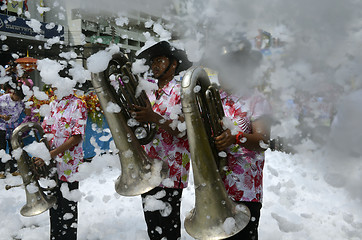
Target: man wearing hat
(170,143)
(247,140)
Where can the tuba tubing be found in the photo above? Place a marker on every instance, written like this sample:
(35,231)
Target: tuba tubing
(213,208)
(139,173)
(36,202)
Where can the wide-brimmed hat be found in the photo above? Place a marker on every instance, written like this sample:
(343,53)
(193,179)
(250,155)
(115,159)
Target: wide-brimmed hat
(237,53)
(242,58)
(164,48)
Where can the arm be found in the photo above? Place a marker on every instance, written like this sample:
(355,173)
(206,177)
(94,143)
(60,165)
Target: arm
(71,142)
(260,133)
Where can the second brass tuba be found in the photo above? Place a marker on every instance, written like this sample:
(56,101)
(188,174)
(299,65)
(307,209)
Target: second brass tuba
(117,86)
(37,201)
(215,215)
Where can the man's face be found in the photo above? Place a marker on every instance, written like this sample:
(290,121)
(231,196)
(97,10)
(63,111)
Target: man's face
(235,78)
(159,65)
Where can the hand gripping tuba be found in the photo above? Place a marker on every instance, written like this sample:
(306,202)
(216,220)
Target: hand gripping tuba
(213,208)
(37,201)
(117,85)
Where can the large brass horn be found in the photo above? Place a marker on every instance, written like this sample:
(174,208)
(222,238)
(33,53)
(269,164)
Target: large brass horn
(215,215)
(117,85)
(37,201)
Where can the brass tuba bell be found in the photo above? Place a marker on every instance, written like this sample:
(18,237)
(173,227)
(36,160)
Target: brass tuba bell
(37,201)
(215,215)
(118,85)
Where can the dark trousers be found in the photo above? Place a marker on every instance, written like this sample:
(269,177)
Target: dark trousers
(64,215)
(165,223)
(250,232)
(3,142)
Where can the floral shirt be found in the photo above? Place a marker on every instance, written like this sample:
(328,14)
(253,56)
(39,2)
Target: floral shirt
(68,117)
(244,178)
(165,147)
(9,107)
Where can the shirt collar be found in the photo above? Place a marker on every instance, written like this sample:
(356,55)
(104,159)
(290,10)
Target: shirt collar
(167,89)
(225,95)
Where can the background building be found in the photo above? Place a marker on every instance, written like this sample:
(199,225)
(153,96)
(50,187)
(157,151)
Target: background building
(44,28)
(25,31)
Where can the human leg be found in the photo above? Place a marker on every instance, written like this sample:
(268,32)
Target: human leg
(12,162)
(165,222)
(2,146)
(250,232)
(64,215)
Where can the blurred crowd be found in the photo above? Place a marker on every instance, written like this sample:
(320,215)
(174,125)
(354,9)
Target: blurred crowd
(12,107)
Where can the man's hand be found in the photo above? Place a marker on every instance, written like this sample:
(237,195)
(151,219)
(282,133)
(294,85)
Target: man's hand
(224,140)
(39,162)
(145,114)
(5,117)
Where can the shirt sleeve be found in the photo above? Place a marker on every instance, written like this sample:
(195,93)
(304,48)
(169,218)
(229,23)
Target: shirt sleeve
(79,119)
(260,106)
(16,113)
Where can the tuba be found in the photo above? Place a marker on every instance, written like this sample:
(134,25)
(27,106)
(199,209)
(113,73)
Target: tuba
(214,211)
(118,85)
(37,201)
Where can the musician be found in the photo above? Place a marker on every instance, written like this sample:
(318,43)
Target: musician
(11,106)
(245,144)
(65,128)
(170,143)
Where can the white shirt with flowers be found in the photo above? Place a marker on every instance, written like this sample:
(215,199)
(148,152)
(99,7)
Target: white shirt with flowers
(166,147)
(244,178)
(68,117)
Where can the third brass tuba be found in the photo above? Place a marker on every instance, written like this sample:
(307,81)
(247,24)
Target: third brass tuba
(117,85)
(215,215)
(37,201)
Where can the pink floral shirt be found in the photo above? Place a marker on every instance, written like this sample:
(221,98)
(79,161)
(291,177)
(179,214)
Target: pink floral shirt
(68,117)
(244,178)
(165,147)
